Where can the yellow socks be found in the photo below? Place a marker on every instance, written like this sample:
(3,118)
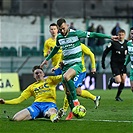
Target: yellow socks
(87,94)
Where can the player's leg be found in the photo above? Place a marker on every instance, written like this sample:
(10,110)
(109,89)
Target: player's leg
(115,71)
(120,87)
(71,72)
(120,78)
(131,78)
(22,115)
(67,80)
(78,80)
(88,95)
(52,114)
(49,110)
(65,104)
(131,81)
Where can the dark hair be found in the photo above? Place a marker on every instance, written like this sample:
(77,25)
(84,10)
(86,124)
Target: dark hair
(131,28)
(61,21)
(53,24)
(36,67)
(121,31)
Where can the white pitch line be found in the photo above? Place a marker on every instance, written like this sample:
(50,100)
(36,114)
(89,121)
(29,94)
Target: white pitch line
(104,120)
(114,121)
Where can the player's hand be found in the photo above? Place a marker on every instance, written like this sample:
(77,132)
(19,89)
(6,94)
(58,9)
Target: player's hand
(61,65)
(48,51)
(53,69)
(93,70)
(103,65)
(114,38)
(2,101)
(45,62)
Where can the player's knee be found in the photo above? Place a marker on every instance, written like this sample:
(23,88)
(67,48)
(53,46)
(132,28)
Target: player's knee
(16,118)
(52,111)
(118,81)
(65,78)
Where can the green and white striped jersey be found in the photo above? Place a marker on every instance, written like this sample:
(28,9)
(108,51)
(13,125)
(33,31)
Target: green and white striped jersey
(130,52)
(71,45)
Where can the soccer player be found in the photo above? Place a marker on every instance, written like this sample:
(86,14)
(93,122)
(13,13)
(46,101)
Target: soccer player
(68,40)
(79,79)
(50,44)
(56,59)
(119,51)
(44,92)
(129,57)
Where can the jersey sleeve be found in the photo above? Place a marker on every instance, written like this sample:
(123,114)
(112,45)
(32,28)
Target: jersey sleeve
(45,49)
(82,34)
(52,53)
(24,95)
(99,35)
(106,51)
(59,60)
(88,52)
(15,100)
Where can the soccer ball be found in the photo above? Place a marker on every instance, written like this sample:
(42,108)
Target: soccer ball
(79,111)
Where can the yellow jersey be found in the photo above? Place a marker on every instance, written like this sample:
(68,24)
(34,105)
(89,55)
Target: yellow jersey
(42,91)
(48,46)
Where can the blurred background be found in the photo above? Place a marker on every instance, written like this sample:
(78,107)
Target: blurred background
(24,27)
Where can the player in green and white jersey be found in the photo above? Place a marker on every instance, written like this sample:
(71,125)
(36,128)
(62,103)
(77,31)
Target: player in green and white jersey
(69,41)
(129,57)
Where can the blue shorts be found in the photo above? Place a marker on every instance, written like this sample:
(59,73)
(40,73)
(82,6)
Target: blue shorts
(79,79)
(38,109)
(58,71)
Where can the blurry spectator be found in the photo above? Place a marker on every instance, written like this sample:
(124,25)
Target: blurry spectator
(72,26)
(91,41)
(100,41)
(116,29)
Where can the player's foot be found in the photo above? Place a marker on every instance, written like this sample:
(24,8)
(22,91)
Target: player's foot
(61,113)
(70,116)
(97,101)
(118,99)
(76,103)
(54,118)
(110,83)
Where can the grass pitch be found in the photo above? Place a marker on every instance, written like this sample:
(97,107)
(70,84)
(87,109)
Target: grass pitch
(110,117)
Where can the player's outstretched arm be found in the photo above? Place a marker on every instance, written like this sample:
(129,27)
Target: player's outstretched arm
(12,101)
(45,62)
(52,53)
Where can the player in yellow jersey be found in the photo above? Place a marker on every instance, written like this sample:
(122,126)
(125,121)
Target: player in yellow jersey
(44,93)
(50,44)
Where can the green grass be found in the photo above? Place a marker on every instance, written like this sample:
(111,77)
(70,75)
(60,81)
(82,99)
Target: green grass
(110,117)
